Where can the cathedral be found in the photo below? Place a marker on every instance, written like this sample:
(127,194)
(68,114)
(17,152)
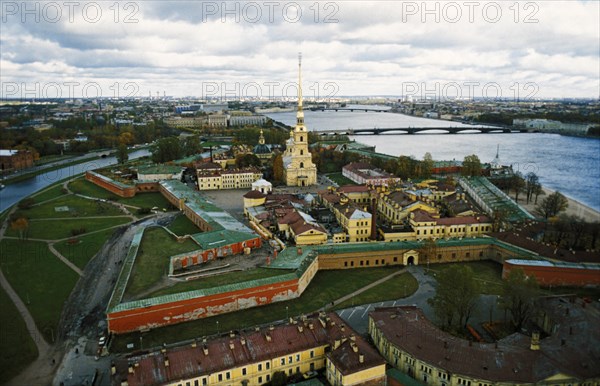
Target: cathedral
(298,168)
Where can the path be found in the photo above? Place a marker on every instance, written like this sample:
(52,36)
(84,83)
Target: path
(363,289)
(64,259)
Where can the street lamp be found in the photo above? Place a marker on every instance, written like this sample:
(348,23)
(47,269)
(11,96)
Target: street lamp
(217,327)
(286,312)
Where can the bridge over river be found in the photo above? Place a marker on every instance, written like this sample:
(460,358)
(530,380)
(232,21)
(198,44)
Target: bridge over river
(424,130)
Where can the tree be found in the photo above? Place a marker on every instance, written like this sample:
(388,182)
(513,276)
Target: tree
(517,183)
(26,203)
(518,295)
(428,251)
(471,166)
(192,145)
(455,296)
(278,168)
(245,160)
(552,205)
(122,155)
(166,149)
(21,225)
(427,165)
(532,181)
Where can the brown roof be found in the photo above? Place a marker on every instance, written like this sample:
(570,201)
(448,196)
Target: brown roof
(208,166)
(254,194)
(346,357)
(302,226)
(511,360)
(225,352)
(353,189)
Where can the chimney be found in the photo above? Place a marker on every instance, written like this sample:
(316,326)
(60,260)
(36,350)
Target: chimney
(194,344)
(342,328)
(300,249)
(268,337)
(271,327)
(205,350)
(113,369)
(311,326)
(336,344)
(231,334)
(166,362)
(300,328)
(243,341)
(353,338)
(535,341)
(361,358)
(231,345)
(354,347)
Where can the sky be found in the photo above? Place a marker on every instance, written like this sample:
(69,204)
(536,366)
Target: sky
(229,49)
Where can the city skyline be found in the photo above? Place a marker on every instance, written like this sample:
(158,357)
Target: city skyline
(521,50)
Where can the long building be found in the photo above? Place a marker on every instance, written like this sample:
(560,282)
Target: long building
(253,358)
(568,356)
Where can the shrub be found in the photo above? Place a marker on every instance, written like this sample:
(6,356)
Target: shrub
(77,231)
(26,203)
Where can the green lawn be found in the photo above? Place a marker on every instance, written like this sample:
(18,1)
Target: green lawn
(152,261)
(397,287)
(61,229)
(78,207)
(42,281)
(324,288)
(183,226)
(339,179)
(142,200)
(17,349)
(218,280)
(487,273)
(48,193)
(85,248)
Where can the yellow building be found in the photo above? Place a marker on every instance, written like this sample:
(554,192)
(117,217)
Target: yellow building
(354,219)
(426,226)
(298,168)
(348,364)
(214,179)
(253,358)
(302,228)
(395,206)
(411,343)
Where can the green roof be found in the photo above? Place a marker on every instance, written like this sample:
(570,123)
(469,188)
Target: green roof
(216,239)
(402,378)
(159,169)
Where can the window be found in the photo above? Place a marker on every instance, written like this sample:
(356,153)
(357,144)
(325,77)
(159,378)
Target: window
(228,375)
(268,377)
(282,361)
(220,377)
(312,354)
(244,371)
(268,365)
(297,357)
(204,381)
(196,383)
(345,263)
(290,372)
(259,379)
(290,359)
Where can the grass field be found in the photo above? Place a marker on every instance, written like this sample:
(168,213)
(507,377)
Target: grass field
(326,287)
(397,287)
(183,226)
(339,179)
(218,280)
(152,261)
(487,273)
(143,200)
(42,281)
(17,349)
(85,249)
(78,207)
(48,193)
(61,229)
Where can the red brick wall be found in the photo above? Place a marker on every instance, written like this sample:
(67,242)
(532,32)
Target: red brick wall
(119,191)
(561,276)
(142,187)
(200,307)
(22,160)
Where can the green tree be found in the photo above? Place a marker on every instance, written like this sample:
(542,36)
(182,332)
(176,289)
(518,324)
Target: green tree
(122,155)
(455,296)
(245,160)
(471,166)
(517,183)
(427,165)
(192,145)
(166,149)
(552,205)
(532,181)
(518,295)
(278,168)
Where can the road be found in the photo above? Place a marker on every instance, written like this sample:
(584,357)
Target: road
(358,317)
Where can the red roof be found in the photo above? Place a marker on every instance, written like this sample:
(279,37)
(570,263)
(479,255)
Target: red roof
(254,194)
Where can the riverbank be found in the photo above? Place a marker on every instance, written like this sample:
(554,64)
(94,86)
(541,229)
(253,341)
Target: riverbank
(575,208)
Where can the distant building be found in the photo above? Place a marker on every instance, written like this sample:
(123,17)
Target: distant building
(243,120)
(298,168)
(262,186)
(365,173)
(252,358)
(354,219)
(159,173)
(262,151)
(12,160)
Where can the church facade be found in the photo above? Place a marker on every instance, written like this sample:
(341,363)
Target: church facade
(298,168)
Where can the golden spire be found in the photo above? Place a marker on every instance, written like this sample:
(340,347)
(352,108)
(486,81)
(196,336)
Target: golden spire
(261,139)
(300,113)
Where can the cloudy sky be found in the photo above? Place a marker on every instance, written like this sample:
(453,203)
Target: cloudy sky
(462,48)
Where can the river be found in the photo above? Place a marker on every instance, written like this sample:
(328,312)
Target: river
(568,164)
(13,193)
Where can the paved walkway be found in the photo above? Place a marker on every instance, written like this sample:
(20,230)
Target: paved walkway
(363,289)
(64,259)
